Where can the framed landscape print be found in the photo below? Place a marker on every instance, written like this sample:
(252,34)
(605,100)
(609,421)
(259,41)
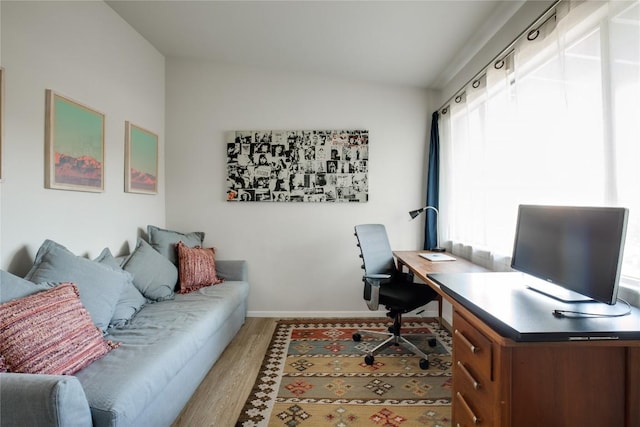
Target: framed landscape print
(298,166)
(74,139)
(141,160)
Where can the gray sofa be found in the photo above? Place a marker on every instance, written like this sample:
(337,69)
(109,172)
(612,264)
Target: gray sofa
(165,351)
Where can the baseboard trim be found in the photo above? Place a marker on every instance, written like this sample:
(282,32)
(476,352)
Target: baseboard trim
(334,314)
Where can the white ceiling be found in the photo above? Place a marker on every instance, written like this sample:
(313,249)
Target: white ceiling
(417,43)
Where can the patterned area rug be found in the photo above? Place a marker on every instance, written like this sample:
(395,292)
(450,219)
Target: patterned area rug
(314,375)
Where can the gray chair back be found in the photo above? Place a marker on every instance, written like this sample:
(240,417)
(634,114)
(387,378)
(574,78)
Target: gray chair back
(375,249)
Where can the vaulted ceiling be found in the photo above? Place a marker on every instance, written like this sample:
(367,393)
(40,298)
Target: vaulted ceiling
(414,43)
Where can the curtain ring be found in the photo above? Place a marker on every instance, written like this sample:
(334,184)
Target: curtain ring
(458,99)
(499,64)
(533,34)
(476,84)
(444,111)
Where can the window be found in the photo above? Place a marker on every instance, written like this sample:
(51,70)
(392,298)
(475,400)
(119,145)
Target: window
(556,121)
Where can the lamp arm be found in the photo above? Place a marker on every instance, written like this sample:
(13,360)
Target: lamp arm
(437,221)
(417,212)
(431,207)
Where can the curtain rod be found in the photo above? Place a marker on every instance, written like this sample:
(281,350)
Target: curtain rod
(544,17)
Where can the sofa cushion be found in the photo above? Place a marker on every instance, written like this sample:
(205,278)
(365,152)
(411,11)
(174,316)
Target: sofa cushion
(99,286)
(164,241)
(49,332)
(131,300)
(153,274)
(196,268)
(155,347)
(12,287)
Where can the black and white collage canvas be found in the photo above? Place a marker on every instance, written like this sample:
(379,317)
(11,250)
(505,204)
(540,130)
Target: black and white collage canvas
(297,166)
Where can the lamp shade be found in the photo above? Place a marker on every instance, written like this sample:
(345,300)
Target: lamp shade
(415,213)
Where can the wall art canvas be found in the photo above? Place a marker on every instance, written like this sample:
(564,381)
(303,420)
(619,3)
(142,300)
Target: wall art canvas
(141,160)
(297,166)
(74,138)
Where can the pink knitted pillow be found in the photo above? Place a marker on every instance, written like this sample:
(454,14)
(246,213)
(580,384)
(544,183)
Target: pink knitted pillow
(196,268)
(49,332)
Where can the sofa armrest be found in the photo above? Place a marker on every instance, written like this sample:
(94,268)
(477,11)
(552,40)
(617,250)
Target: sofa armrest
(42,400)
(233,270)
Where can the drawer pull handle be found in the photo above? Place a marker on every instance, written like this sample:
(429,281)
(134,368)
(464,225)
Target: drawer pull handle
(466,342)
(466,407)
(476,384)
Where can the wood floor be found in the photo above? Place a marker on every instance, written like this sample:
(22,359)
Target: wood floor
(221,395)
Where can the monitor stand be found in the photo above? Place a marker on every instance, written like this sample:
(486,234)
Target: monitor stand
(554,291)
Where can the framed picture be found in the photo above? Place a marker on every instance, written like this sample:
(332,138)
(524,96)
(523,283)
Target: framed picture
(141,160)
(298,166)
(1,118)
(74,152)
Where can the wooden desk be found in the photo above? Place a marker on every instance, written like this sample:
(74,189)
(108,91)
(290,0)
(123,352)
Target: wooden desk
(421,267)
(498,381)
(504,383)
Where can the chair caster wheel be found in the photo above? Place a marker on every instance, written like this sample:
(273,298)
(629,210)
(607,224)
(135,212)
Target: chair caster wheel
(368,359)
(433,342)
(356,337)
(424,364)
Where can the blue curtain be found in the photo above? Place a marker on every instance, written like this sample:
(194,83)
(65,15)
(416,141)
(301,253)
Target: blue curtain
(433,185)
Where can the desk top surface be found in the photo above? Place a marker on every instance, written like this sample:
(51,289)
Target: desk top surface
(507,305)
(422,267)
(414,261)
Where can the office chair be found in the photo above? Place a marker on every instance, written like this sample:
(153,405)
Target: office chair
(384,284)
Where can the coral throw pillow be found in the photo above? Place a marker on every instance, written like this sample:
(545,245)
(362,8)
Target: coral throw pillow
(196,268)
(50,332)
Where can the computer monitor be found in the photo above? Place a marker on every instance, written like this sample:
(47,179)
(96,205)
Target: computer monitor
(576,252)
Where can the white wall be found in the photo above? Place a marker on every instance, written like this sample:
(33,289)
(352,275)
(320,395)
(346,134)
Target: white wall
(302,257)
(85,51)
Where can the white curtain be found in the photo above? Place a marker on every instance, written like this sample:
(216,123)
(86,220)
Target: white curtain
(554,121)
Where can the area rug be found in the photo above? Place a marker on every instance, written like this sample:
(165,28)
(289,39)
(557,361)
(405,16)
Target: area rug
(314,375)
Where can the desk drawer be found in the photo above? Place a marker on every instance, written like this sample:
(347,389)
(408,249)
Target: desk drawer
(467,412)
(472,349)
(464,377)
(471,406)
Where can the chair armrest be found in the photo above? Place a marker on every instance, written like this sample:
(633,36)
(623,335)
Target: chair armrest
(374,280)
(378,277)
(43,400)
(233,270)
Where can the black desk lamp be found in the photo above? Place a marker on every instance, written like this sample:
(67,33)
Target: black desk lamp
(417,212)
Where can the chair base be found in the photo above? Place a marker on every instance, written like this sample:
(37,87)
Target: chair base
(394,338)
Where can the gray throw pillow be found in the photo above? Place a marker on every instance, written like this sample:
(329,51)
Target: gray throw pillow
(153,274)
(14,287)
(131,300)
(100,287)
(164,241)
